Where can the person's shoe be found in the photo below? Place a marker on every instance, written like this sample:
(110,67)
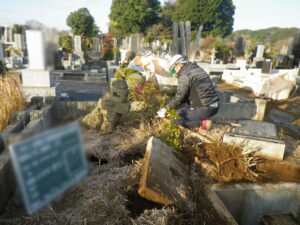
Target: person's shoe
(206,125)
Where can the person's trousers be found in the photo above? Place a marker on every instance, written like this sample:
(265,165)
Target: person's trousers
(192,117)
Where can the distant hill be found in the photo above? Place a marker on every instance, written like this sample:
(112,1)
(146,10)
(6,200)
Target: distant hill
(272,35)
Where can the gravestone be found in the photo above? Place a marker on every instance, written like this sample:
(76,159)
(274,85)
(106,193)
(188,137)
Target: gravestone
(175,38)
(198,42)
(213,56)
(1,52)
(260,51)
(133,43)
(37,80)
(36,49)
(188,36)
(267,66)
(11,34)
(77,44)
(183,40)
(48,164)
(239,47)
(19,42)
(96,45)
(295,51)
(246,49)
(6,34)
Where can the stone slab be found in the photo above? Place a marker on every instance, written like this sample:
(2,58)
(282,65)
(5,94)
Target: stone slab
(257,128)
(241,111)
(266,148)
(165,176)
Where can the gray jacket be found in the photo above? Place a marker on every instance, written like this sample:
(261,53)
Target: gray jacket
(194,87)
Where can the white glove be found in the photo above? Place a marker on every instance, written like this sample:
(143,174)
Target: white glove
(162,113)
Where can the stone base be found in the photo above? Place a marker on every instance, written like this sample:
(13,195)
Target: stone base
(30,92)
(37,78)
(266,148)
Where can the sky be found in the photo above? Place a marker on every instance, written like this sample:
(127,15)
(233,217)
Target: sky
(249,14)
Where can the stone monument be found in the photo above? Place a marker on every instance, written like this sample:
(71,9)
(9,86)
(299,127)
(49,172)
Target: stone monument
(1,52)
(259,55)
(19,43)
(213,56)
(110,109)
(37,80)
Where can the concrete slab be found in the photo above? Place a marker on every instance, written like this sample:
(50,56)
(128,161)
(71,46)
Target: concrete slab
(248,203)
(241,111)
(257,128)
(266,148)
(165,176)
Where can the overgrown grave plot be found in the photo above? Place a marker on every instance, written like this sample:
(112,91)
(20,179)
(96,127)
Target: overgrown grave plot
(109,194)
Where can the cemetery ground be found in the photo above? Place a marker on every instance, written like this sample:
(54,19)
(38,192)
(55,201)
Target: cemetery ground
(109,194)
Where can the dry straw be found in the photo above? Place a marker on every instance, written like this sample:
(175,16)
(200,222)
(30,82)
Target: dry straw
(11,98)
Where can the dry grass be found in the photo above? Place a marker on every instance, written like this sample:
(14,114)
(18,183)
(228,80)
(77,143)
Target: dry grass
(11,98)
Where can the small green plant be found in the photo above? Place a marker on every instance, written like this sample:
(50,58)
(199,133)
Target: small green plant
(124,73)
(170,132)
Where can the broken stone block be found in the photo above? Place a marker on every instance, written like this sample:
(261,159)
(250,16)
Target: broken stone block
(110,105)
(119,95)
(165,177)
(264,147)
(257,128)
(119,83)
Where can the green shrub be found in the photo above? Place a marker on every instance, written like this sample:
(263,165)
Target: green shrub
(124,73)
(170,132)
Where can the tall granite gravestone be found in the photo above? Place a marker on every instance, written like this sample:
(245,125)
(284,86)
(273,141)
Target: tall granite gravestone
(246,49)
(11,34)
(295,51)
(19,43)
(175,38)
(37,80)
(1,52)
(260,51)
(6,34)
(77,44)
(258,60)
(96,45)
(239,47)
(188,36)
(183,39)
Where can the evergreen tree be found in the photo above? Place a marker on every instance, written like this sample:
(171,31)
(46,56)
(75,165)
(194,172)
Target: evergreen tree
(82,23)
(216,16)
(133,16)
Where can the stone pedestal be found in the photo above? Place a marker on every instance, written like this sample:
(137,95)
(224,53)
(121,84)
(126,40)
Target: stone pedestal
(39,83)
